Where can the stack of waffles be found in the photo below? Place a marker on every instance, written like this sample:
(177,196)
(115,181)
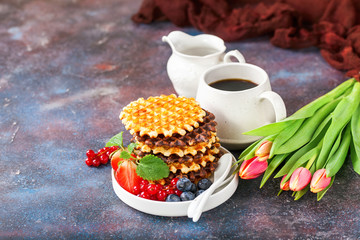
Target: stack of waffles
(177,130)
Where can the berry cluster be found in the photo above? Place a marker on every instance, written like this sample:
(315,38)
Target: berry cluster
(189,191)
(178,190)
(101,157)
(156,192)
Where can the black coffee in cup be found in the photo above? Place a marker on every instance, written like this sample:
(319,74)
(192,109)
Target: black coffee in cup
(233,84)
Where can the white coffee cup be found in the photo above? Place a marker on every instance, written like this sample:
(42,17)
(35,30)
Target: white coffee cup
(237,112)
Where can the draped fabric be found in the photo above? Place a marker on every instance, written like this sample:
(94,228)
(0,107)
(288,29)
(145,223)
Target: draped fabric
(331,25)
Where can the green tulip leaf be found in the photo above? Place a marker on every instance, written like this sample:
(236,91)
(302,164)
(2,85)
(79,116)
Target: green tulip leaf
(341,116)
(269,129)
(308,128)
(310,155)
(311,108)
(355,132)
(296,155)
(301,193)
(338,158)
(355,159)
(275,162)
(336,144)
(285,135)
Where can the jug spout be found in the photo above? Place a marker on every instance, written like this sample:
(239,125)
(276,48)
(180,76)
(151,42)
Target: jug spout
(175,38)
(194,46)
(168,40)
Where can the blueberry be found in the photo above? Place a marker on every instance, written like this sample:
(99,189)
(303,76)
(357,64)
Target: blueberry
(187,196)
(198,192)
(204,184)
(173,198)
(193,188)
(184,184)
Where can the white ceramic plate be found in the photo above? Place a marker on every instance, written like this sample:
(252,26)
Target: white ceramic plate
(175,209)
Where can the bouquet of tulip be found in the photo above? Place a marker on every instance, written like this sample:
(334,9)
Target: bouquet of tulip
(312,144)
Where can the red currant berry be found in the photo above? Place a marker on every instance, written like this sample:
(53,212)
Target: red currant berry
(96,162)
(88,162)
(114,148)
(170,191)
(145,195)
(90,154)
(178,192)
(143,187)
(174,181)
(100,151)
(151,189)
(144,182)
(158,187)
(161,195)
(104,159)
(136,190)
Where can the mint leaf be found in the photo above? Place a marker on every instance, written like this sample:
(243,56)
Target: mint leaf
(131,147)
(125,155)
(152,168)
(116,140)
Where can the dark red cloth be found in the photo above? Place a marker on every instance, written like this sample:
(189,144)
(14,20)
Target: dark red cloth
(331,25)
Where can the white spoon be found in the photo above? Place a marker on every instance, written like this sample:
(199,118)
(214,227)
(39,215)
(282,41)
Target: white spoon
(196,207)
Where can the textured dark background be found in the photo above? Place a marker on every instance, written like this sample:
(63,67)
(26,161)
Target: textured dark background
(67,67)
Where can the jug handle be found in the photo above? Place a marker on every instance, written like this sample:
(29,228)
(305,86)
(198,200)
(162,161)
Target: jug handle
(236,54)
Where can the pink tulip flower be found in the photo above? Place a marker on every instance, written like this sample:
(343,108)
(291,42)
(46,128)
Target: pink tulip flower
(284,185)
(300,179)
(319,181)
(252,168)
(264,150)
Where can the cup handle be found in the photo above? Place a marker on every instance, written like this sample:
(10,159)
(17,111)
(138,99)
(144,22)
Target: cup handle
(236,54)
(277,102)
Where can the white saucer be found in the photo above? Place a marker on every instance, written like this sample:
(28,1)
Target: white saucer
(175,209)
(236,144)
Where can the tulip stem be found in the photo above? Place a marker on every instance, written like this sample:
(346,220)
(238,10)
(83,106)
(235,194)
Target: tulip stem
(312,159)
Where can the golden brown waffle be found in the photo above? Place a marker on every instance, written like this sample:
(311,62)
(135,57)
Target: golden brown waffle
(180,151)
(174,158)
(165,115)
(191,166)
(194,176)
(198,135)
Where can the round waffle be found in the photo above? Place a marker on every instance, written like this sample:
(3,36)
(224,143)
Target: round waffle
(194,176)
(198,135)
(191,166)
(174,158)
(165,115)
(180,151)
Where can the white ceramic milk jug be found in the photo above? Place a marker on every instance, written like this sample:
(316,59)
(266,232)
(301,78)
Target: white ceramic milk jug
(191,56)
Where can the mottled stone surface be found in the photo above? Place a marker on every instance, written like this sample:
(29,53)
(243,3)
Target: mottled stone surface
(67,67)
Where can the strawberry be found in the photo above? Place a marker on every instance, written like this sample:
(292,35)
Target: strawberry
(126,175)
(115,160)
